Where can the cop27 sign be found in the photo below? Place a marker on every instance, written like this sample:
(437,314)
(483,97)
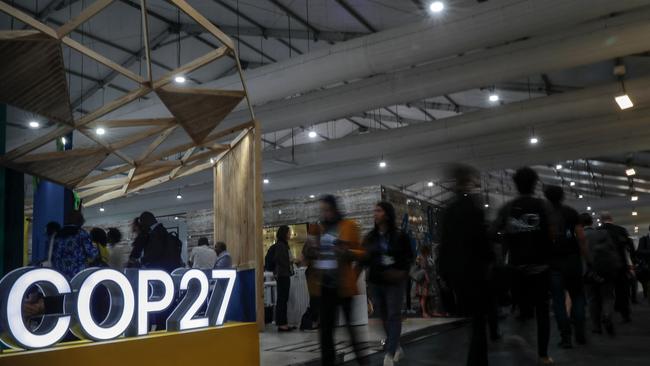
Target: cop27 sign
(133,296)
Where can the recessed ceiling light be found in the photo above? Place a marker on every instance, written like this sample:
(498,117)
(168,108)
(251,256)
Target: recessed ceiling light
(634,198)
(382,164)
(175,217)
(279,212)
(312,134)
(266,181)
(572,184)
(437,6)
(180,79)
(487,205)
(34,124)
(100,131)
(430,184)
(630,172)
(634,213)
(179,196)
(558,167)
(580,196)
(588,208)
(624,101)
(636,229)
(494,97)
(211,160)
(101,209)
(534,140)
(312,196)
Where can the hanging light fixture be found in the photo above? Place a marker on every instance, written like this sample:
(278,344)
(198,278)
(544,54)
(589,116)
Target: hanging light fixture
(558,166)
(430,184)
(312,134)
(34,124)
(100,131)
(382,162)
(630,172)
(437,6)
(634,198)
(179,195)
(180,79)
(101,208)
(623,100)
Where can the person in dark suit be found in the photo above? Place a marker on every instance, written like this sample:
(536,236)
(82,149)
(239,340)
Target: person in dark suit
(625,248)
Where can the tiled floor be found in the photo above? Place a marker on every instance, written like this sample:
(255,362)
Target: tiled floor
(297,348)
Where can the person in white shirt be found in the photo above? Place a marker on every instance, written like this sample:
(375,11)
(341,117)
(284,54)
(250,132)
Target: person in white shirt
(203,256)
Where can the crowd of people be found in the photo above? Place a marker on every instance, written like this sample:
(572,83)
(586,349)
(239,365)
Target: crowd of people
(72,249)
(538,255)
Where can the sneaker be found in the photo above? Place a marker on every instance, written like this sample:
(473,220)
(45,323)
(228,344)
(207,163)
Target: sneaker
(388,360)
(546,361)
(399,354)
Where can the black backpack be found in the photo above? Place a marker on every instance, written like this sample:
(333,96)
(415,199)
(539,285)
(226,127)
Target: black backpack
(269,259)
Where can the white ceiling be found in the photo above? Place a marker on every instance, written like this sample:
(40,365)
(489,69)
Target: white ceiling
(568,105)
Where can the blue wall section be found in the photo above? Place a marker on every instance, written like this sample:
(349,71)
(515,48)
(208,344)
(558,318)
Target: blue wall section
(49,205)
(242,301)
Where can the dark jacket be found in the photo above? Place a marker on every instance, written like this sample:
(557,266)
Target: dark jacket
(152,249)
(282,260)
(622,241)
(398,255)
(465,251)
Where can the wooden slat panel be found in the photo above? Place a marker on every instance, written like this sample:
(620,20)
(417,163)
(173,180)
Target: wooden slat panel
(68,171)
(191,66)
(33,76)
(107,174)
(199,112)
(117,103)
(119,123)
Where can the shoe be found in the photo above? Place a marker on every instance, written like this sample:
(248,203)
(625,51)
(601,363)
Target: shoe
(399,354)
(546,361)
(388,360)
(565,343)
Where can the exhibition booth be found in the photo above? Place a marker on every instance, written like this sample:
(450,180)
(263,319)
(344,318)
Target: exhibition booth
(86,160)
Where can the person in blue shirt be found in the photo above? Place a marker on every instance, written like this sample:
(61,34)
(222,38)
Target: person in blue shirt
(72,249)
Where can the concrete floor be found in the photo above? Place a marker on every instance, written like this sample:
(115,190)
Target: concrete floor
(302,348)
(630,347)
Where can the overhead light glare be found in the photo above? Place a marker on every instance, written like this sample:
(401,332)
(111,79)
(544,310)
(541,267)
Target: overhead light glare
(487,205)
(634,213)
(634,198)
(624,102)
(64,141)
(312,134)
(558,167)
(312,196)
(382,164)
(588,208)
(437,6)
(180,79)
(100,131)
(630,172)
(34,124)
(534,140)
(494,97)
(101,209)
(175,217)
(266,181)
(572,184)
(580,196)
(430,184)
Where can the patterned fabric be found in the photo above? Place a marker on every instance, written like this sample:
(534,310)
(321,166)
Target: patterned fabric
(72,251)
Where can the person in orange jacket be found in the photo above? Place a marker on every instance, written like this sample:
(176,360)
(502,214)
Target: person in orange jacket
(334,252)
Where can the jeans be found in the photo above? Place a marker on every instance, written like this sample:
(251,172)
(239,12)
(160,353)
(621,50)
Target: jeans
(601,302)
(533,291)
(284,282)
(328,307)
(571,282)
(388,301)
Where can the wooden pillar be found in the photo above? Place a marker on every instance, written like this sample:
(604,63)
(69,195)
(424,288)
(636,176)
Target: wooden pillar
(238,216)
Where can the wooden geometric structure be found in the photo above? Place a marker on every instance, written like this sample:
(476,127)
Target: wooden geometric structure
(33,68)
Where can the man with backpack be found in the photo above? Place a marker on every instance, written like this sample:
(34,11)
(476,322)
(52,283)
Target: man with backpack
(567,251)
(161,249)
(603,265)
(625,248)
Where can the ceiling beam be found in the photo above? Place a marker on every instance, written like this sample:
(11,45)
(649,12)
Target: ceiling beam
(278,33)
(356,15)
(297,17)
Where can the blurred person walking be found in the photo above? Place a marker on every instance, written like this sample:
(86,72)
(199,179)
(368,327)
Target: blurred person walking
(527,239)
(389,258)
(335,254)
(283,271)
(625,248)
(466,256)
(603,266)
(425,277)
(643,263)
(567,253)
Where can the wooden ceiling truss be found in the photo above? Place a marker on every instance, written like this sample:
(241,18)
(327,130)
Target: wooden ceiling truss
(34,79)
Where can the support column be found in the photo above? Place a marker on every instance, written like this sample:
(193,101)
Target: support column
(12,208)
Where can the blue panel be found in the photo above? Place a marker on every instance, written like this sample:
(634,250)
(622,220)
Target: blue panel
(242,301)
(49,205)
